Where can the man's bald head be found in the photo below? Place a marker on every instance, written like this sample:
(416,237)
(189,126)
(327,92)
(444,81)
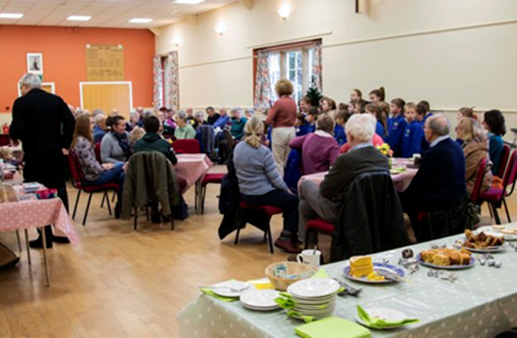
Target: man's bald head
(436,126)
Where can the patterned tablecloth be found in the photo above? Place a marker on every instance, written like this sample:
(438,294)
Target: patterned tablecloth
(192,167)
(37,213)
(400,180)
(482,302)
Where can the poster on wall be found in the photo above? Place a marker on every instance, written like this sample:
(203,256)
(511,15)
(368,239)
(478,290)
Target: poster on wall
(35,63)
(104,62)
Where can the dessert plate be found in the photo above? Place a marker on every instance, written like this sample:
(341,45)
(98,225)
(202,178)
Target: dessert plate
(376,267)
(447,267)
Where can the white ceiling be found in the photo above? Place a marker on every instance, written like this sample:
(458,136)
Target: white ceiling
(104,13)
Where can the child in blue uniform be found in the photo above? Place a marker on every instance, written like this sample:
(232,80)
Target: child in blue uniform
(381,126)
(421,117)
(302,127)
(412,138)
(311,119)
(396,125)
(342,117)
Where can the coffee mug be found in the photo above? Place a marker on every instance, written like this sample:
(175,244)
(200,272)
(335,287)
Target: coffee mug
(311,257)
(416,158)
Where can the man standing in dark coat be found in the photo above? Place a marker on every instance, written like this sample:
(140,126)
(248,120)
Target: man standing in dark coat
(45,126)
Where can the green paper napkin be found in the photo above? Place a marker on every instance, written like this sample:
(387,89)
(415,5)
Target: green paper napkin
(378,323)
(322,273)
(306,319)
(332,327)
(209,292)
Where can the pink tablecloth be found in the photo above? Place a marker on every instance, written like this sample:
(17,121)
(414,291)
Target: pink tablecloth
(34,214)
(401,181)
(192,167)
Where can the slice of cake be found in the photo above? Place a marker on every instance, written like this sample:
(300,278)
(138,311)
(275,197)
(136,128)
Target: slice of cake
(361,266)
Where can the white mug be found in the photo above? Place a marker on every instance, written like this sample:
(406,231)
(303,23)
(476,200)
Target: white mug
(309,257)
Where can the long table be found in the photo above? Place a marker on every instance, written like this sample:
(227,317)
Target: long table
(23,215)
(482,302)
(401,180)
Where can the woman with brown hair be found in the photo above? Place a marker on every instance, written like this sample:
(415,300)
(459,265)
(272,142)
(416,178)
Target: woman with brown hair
(282,118)
(377,95)
(260,182)
(475,148)
(94,172)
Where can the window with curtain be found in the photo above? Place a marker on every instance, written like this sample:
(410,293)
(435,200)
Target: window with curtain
(300,63)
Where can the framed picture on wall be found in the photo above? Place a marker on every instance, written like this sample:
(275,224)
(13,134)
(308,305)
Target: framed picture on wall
(35,63)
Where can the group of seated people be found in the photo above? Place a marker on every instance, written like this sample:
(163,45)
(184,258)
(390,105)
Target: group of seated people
(343,142)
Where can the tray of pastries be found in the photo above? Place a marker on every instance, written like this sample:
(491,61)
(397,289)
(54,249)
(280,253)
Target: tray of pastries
(482,242)
(445,258)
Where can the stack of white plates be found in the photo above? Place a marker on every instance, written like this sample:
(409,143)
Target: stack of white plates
(314,297)
(260,300)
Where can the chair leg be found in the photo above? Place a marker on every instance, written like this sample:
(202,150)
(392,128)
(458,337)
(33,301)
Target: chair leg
(496,215)
(76,203)
(108,202)
(136,217)
(507,212)
(490,210)
(237,235)
(202,202)
(308,234)
(114,196)
(270,240)
(104,198)
(87,208)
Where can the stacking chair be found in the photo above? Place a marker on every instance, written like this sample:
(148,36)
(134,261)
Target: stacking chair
(497,196)
(187,146)
(78,182)
(263,212)
(208,179)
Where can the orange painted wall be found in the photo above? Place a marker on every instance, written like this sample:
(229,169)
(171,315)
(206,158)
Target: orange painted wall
(64,59)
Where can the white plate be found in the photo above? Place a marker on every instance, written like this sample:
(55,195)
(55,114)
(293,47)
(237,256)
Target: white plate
(221,290)
(385,314)
(260,298)
(376,267)
(261,308)
(315,306)
(491,249)
(447,267)
(314,288)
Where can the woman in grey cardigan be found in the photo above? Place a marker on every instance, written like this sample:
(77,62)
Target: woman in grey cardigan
(260,182)
(115,146)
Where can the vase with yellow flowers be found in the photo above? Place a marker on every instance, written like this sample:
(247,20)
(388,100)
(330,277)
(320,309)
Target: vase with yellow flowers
(386,150)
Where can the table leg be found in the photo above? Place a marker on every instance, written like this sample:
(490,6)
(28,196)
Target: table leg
(19,242)
(45,255)
(27,247)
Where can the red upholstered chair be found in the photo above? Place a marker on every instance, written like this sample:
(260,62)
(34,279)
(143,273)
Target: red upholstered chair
(268,212)
(97,148)
(188,146)
(479,181)
(77,181)
(4,140)
(504,160)
(496,196)
(208,179)
(318,226)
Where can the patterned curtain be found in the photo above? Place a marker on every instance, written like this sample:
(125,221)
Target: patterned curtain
(171,81)
(262,81)
(316,67)
(158,82)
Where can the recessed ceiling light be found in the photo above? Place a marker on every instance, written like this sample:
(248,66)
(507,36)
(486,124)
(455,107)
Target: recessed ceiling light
(189,2)
(10,16)
(79,18)
(140,20)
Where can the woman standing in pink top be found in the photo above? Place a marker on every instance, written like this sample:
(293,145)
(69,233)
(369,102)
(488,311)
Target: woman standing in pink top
(282,118)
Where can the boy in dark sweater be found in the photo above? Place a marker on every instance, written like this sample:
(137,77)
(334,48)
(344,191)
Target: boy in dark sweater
(152,141)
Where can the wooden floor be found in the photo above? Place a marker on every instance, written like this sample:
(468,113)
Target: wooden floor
(123,283)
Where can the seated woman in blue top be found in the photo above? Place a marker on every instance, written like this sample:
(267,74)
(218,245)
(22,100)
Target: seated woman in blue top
(260,182)
(495,124)
(381,126)
(396,125)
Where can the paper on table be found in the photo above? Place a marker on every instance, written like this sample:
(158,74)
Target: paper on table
(322,273)
(209,292)
(379,323)
(332,327)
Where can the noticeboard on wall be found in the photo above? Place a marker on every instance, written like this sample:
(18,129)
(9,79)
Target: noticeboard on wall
(104,62)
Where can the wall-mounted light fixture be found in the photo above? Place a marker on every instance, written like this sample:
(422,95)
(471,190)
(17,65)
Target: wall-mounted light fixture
(221,28)
(176,41)
(284,12)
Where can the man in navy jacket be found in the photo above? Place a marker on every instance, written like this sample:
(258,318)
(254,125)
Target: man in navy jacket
(440,181)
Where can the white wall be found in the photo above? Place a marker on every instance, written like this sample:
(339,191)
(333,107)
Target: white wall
(452,53)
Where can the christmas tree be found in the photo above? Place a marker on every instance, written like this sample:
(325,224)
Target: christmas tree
(314,94)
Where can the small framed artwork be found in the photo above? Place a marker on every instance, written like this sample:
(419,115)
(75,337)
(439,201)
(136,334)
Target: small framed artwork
(35,63)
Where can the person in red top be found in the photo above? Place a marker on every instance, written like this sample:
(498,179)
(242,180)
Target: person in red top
(282,118)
